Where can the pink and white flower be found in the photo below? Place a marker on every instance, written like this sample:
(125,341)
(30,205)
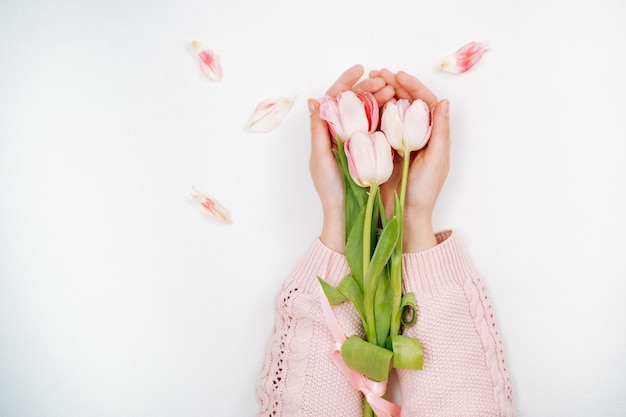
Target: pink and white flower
(407,125)
(349,112)
(211,206)
(269,114)
(370,158)
(464,59)
(209,62)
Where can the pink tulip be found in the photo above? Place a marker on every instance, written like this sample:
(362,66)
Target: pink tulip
(407,125)
(464,59)
(370,158)
(269,114)
(209,62)
(211,207)
(349,112)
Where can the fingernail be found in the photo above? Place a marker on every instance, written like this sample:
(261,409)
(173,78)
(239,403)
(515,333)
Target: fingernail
(445,107)
(311,106)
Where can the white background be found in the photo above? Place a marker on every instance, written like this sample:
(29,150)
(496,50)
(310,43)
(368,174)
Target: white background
(118,298)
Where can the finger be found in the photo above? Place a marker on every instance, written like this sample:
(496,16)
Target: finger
(411,88)
(320,137)
(370,85)
(439,142)
(389,77)
(384,95)
(373,73)
(346,80)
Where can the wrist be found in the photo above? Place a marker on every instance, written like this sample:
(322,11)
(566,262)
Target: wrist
(418,231)
(333,233)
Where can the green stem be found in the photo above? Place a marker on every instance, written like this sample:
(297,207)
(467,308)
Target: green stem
(396,273)
(367,227)
(368,287)
(405,174)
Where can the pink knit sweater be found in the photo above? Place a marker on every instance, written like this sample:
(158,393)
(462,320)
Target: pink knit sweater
(464,371)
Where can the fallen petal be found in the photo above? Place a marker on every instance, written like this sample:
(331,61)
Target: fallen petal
(269,114)
(211,207)
(209,62)
(464,59)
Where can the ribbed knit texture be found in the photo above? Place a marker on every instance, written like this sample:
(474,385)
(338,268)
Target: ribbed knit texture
(298,378)
(464,371)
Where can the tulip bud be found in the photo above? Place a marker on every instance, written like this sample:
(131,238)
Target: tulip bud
(349,112)
(370,158)
(407,125)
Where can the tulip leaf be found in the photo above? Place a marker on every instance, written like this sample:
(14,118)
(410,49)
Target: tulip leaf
(355,197)
(383,307)
(407,352)
(408,309)
(354,248)
(381,209)
(349,287)
(334,296)
(366,358)
(384,248)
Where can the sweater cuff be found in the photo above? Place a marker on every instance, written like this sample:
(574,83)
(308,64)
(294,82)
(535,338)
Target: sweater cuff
(319,260)
(434,270)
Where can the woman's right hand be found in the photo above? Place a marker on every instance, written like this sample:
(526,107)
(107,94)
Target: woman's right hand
(429,166)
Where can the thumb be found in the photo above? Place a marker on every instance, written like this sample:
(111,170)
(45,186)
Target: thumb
(320,137)
(440,137)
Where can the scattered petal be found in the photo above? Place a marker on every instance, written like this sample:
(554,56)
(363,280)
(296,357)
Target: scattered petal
(211,207)
(269,114)
(209,62)
(464,59)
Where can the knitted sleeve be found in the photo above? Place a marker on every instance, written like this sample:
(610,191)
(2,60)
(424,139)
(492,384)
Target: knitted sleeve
(298,378)
(464,372)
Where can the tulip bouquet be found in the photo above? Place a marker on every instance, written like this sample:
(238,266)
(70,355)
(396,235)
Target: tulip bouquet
(373,240)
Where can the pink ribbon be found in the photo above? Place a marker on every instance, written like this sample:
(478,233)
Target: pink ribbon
(372,390)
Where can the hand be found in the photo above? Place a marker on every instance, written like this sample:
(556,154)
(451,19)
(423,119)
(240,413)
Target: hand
(428,169)
(323,165)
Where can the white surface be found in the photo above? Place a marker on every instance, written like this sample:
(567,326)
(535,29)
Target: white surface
(117,298)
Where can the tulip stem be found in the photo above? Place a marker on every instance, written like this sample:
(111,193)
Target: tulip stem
(368,285)
(405,174)
(396,273)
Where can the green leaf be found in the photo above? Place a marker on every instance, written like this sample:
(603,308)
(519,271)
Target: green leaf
(333,295)
(355,197)
(350,289)
(381,209)
(407,352)
(408,308)
(366,358)
(383,308)
(354,248)
(384,248)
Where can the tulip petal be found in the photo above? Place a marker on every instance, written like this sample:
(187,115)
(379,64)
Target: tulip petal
(329,111)
(352,113)
(209,62)
(211,207)
(391,124)
(269,114)
(464,59)
(384,157)
(370,158)
(371,109)
(417,125)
